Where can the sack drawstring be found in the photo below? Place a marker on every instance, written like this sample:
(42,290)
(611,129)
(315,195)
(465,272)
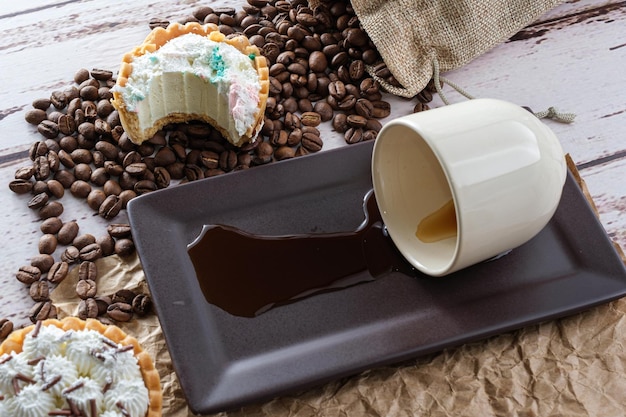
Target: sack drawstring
(552,113)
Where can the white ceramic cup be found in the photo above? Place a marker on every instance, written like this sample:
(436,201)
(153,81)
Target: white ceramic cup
(501,167)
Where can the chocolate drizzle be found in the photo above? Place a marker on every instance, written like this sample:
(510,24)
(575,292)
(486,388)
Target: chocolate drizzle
(247,274)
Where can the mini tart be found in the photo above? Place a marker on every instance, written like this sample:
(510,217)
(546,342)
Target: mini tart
(150,375)
(183,96)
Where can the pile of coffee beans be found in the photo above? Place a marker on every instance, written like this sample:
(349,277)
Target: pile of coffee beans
(317,62)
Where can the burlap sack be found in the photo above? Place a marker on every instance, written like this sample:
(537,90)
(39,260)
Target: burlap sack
(411,35)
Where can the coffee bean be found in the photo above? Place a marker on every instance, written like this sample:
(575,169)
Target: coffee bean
(83,240)
(420,107)
(35,116)
(162,177)
(68,232)
(38,201)
(6,328)
(381,109)
(21,186)
(373,124)
(124,247)
(103,302)
(28,274)
(47,244)
(311,119)
(65,177)
(144,186)
(70,255)
(353,135)
(324,110)
(80,189)
(41,311)
(120,312)
(51,209)
(107,244)
(142,304)
(87,270)
(127,195)
(51,225)
(110,207)
(87,308)
(58,99)
(90,252)
(58,272)
(39,291)
(312,142)
(86,288)
(369,135)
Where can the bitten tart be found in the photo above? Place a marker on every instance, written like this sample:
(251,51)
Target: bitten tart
(77,367)
(192,72)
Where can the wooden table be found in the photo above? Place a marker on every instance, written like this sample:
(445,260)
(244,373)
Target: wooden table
(573,58)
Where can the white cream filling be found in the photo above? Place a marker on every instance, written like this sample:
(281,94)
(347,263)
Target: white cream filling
(192,74)
(52,380)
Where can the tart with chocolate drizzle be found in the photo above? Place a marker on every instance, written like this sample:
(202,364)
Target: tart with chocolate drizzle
(74,367)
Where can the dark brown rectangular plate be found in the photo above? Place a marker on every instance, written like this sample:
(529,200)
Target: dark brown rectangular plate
(224,361)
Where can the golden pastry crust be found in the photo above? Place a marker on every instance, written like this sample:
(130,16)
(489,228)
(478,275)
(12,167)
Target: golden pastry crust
(15,341)
(157,38)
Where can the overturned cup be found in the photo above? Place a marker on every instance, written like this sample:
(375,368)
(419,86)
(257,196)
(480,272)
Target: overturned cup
(460,184)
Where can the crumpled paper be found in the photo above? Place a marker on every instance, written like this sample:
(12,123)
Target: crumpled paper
(572,367)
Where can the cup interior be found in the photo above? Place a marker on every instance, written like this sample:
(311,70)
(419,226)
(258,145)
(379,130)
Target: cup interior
(410,185)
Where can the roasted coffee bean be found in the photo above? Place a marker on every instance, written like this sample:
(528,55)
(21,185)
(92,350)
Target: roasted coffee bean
(123,296)
(284,152)
(324,110)
(110,207)
(80,189)
(71,255)
(340,122)
(47,244)
(58,99)
(107,244)
(38,201)
(83,240)
(144,186)
(347,103)
(119,230)
(42,168)
(51,209)
(68,232)
(28,274)
(369,135)
(48,129)
(311,142)
(142,304)
(355,120)
(99,176)
(337,89)
(108,149)
(6,328)
(162,177)
(381,109)
(103,302)
(95,198)
(373,124)
(87,270)
(318,61)
(65,177)
(21,186)
(311,119)
(136,169)
(86,288)
(35,116)
(40,187)
(51,225)
(41,311)
(88,309)
(364,108)
(353,135)
(90,252)
(124,247)
(127,195)
(58,272)
(420,107)
(111,187)
(120,312)
(356,70)
(39,290)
